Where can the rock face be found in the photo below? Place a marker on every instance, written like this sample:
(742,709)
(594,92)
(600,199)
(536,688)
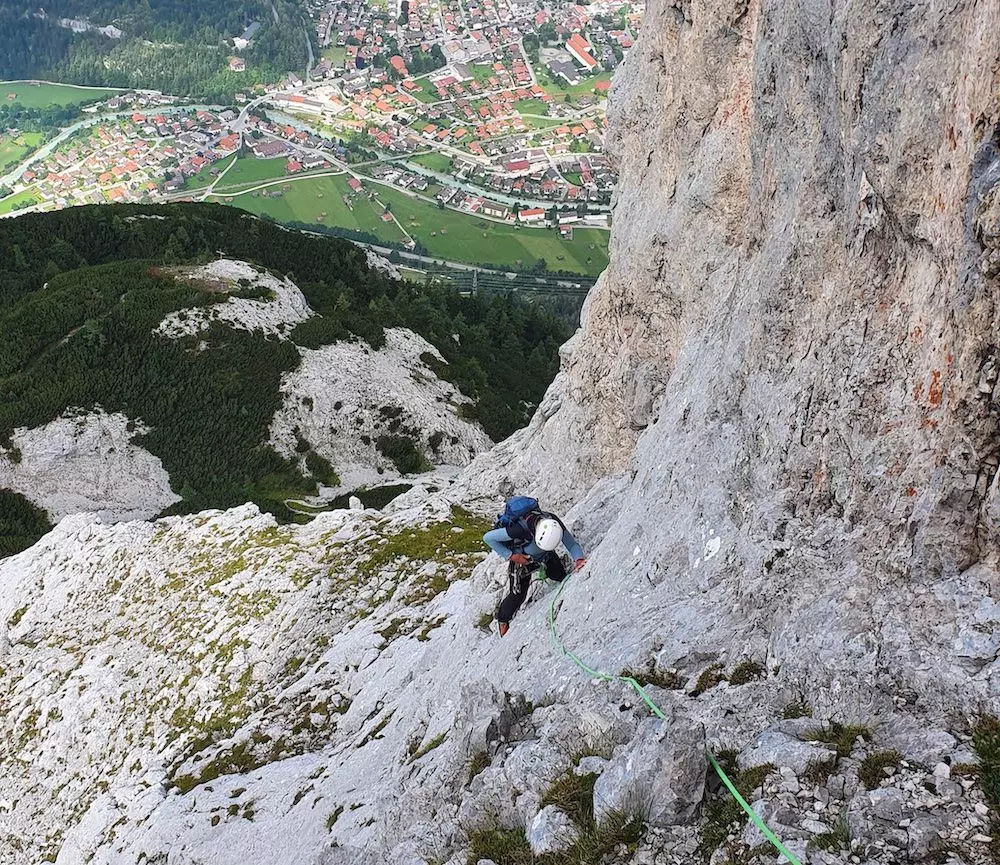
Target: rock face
(791,358)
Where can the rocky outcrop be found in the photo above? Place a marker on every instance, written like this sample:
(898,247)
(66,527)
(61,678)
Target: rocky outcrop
(271,305)
(87,461)
(345,397)
(661,774)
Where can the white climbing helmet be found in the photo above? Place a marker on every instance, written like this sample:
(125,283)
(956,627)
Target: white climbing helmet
(548,534)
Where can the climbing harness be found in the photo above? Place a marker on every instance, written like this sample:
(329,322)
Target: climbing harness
(656,710)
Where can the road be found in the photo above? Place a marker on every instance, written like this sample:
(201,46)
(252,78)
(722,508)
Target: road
(562,282)
(493,195)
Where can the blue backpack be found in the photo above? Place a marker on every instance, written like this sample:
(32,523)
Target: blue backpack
(514,512)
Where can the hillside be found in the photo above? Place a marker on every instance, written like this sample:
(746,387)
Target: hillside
(137,380)
(180,48)
(775,437)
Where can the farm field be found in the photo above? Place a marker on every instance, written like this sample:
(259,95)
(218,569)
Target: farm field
(14,202)
(13,150)
(249,170)
(42,95)
(462,237)
(446,234)
(317,200)
(434,161)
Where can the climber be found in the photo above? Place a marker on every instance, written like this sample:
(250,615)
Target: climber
(527,537)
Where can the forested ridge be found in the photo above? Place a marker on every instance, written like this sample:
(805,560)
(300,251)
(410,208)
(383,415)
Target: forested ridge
(170,45)
(81,291)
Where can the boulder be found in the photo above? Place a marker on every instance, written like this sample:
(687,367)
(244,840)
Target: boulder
(923,836)
(660,774)
(784,750)
(551,831)
(590,766)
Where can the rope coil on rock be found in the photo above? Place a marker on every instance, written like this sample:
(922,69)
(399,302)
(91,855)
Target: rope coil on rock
(656,710)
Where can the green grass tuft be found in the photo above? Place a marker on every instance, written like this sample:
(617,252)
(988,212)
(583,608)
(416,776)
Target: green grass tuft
(669,680)
(333,817)
(430,746)
(478,763)
(573,794)
(986,743)
(797,709)
(748,671)
(838,838)
(722,813)
(818,771)
(503,846)
(841,736)
(871,771)
(708,679)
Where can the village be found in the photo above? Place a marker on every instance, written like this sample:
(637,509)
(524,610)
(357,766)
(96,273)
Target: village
(486,107)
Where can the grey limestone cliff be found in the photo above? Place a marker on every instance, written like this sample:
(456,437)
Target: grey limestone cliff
(790,365)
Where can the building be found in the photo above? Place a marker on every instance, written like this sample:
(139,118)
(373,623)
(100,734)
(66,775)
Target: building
(491,208)
(237,64)
(534,214)
(269,149)
(565,70)
(241,42)
(518,167)
(580,49)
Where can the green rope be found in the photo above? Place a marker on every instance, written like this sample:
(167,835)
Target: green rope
(656,710)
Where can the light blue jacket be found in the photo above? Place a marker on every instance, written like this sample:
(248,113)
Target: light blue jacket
(503,545)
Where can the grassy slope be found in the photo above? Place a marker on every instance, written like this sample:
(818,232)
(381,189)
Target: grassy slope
(42,95)
(308,201)
(13,150)
(463,238)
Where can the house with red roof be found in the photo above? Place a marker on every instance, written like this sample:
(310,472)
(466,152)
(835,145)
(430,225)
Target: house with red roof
(580,49)
(533,214)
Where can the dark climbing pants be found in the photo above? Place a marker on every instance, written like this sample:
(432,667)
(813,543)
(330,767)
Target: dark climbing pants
(519,578)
